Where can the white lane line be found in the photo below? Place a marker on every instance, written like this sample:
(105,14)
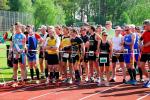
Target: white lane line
(40,96)
(99,92)
(2,94)
(53,92)
(143,96)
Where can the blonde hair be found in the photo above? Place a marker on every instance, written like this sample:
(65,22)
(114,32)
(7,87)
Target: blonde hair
(52,28)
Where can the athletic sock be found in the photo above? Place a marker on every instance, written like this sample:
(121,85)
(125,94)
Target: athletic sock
(46,72)
(37,73)
(141,73)
(135,65)
(130,73)
(134,74)
(56,75)
(77,74)
(32,73)
(51,75)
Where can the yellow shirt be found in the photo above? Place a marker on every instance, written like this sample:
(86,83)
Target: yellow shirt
(65,42)
(50,43)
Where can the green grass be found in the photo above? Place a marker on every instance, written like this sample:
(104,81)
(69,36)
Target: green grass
(5,71)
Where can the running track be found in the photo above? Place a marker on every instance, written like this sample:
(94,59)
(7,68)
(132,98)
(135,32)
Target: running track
(117,91)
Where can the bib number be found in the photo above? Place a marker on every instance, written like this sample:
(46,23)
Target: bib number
(66,55)
(91,53)
(16,56)
(103,60)
(135,51)
(73,55)
(126,50)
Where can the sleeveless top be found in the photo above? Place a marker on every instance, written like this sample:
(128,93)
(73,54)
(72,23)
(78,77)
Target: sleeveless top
(50,43)
(104,47)
(93,43)
(128,39)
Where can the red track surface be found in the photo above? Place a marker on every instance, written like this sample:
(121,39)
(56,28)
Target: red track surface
(117,91)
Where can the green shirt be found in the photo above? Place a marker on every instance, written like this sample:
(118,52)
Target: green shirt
(111,33)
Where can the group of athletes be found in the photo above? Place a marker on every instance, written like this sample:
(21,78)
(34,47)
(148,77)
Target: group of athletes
(75,54)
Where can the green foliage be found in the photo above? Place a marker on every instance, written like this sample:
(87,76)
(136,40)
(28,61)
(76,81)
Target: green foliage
(54,12)
(124,19)
(140,12)
(46,12)
(4,5)
(21,5)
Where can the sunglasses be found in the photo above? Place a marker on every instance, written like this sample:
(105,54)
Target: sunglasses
(105,35)
(126,30)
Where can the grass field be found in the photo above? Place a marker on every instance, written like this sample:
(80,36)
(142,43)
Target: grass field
(5,71)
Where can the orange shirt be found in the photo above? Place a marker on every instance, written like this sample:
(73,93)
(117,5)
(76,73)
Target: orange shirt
(146,39)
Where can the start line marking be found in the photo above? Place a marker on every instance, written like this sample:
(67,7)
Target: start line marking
(53,92)
(143,96)
(21,89)
(99,92)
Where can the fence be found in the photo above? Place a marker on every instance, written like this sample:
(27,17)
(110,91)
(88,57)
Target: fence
(7,18)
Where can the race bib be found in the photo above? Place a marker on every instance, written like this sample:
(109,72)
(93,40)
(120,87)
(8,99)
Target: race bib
(135,51)
(126,50)
(91,53)
(73,55)
(16,56)
(103,60)
(65,55)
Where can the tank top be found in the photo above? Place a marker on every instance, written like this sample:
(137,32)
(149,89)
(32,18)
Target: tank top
(65,42)
(128,39)
(136,46)
(104,47)
(93,43)
(51,42)
(32,42)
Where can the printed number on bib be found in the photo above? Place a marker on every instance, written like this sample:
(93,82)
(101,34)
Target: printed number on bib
(103,60)
(91,53)
(126,50)
(66,55)
(135,51)
(16,56)
(73,54)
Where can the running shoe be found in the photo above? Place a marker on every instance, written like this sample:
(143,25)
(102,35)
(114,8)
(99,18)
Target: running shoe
(141,80)
(47,81)
(42,75)
(37,81)
(124,81)
(70,81)
(53,80)
(86,79)
(65,80)
(91,79)
(98,80)
(15,84)
(112,80)
(132,82)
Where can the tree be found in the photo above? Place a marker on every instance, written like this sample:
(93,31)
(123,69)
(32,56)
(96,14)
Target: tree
(140,12)
(46,12)
(21,5)
(4,5)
